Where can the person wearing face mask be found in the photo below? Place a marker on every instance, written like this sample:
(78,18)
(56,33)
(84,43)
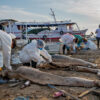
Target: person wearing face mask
(33,53)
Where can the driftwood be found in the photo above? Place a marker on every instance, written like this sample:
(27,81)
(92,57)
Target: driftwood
(43,78)
(69,61)
(87,92)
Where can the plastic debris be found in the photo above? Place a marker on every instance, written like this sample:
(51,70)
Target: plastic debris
(58,94)
(22,98)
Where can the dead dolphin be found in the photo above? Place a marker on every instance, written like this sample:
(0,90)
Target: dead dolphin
(45,78)
(69,61)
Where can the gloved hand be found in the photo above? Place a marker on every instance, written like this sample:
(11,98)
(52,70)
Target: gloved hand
(41,63)
(50,60)
(0,68)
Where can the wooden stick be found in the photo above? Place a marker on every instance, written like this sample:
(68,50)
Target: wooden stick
(86,92)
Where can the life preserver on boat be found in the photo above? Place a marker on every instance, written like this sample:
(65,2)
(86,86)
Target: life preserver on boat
(61,32)
(44,36)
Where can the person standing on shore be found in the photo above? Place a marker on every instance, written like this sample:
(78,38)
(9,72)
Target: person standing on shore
(98,36)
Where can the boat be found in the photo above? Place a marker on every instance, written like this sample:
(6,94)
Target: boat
(48,31)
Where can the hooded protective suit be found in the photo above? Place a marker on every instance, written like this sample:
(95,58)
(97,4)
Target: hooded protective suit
(67,39)
(31,52)
(5,46)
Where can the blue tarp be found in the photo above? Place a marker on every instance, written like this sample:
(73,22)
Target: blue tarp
(22,98)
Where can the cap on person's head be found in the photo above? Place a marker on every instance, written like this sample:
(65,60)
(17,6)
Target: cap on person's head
(12,35)
(40,43)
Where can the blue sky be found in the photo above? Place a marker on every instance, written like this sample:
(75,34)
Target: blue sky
(85,12)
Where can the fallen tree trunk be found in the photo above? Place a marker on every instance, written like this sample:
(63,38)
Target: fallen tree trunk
(69,61)
(37,76)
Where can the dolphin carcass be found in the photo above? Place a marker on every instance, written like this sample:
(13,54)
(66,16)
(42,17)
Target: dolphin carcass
(44,78)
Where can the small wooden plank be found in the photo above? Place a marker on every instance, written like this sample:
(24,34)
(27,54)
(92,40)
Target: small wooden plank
(86,92)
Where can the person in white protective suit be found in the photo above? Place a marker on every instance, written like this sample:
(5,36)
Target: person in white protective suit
(68,41)
(6,41)
(34,52)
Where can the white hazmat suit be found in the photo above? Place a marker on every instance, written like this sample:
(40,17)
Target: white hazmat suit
(31,53)
(67,39)
(5,47)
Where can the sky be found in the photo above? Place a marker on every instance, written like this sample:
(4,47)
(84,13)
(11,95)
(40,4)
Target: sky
(86,13)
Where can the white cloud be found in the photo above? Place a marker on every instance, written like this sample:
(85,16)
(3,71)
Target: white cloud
(7,12)
(89,10)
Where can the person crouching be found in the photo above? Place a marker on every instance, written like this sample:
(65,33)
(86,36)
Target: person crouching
(68,41)
(32,54)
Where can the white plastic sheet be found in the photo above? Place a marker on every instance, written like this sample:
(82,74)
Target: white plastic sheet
(91,45)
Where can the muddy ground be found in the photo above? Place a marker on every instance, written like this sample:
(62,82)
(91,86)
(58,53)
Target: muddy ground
(39,92)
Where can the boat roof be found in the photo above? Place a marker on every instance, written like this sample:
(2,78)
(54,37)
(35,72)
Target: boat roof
(43,24)
(6,21)
(36,24)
